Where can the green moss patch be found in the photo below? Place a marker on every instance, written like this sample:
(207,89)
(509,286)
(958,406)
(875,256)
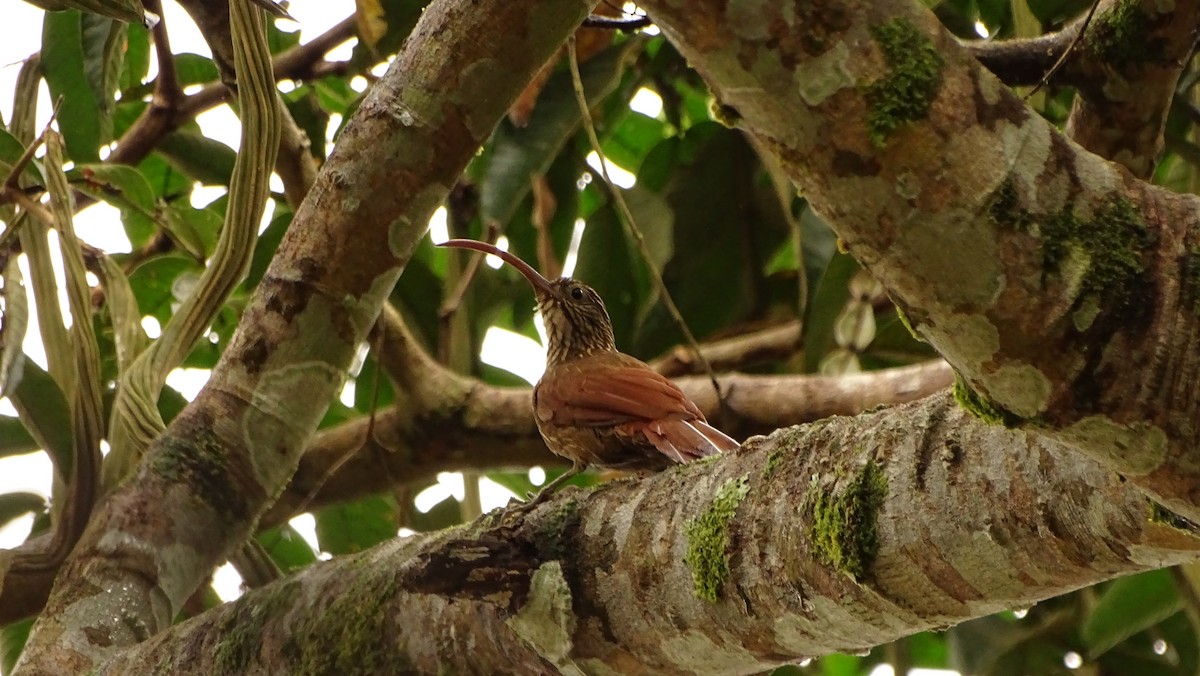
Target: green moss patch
(1118,35)
(1160,514)
(978,406)
(915,75)
(708,539)
(843,532)
(772,463)
(1111,243)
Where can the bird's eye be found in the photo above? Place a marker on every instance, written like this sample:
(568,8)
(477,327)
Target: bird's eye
(577,293)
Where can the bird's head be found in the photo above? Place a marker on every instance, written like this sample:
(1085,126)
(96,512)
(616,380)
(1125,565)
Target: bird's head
(577,323)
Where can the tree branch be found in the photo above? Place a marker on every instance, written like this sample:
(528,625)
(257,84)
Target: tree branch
(1136,52)
(1024,61)
(1055,283)
(623,579)
(239,441)
(159,120)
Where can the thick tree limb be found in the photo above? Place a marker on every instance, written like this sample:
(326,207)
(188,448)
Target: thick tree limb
(1134,54)
(239,441)
(1055,283)
(601,582)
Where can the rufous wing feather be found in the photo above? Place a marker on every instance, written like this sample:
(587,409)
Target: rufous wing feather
(638,403)
(613,396)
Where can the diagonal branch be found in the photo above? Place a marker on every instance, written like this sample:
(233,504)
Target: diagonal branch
(238,442)
(1053,281)
(1134,54)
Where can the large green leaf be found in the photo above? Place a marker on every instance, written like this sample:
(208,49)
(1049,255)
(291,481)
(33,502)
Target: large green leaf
(14,505)
(824,307)
(611,263)
(11,151)
(288,549)
(714,263)
(45,413)
(1129,605)
(136,64)
(12,642)
(122,10)
(14,438)
(193,69)
(81,63)
(154,283)
(520,154)
(354,526)
(207,160)
(124,188)
(632,138)
(397,19)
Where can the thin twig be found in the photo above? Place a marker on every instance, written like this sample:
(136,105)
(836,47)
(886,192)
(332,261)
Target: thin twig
(14,177)
(1066,53)
(627,217)
(167,91)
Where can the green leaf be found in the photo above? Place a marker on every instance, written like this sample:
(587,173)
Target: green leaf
(124,188)
(305,108)
(153,284)
(632,139)
(264,249)
(11,151)
(123,10)
(14,438)
(136,64)
(288,549)
(12,642)
(1129,605)
(129,337)
(824,307)
(354,526)
(196,230)
(46,415)
(444,514)
(81,64)
(207,160)
(194,69)
(14,505)
(167,182)
(518,154)
(611,264)
(714,262)
(399,17)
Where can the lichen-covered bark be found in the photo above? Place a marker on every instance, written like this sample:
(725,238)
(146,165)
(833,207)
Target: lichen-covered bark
(1053,281)
(1131,58)
(714,567)
(206,480)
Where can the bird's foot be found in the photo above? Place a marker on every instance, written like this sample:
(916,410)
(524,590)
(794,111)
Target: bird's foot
(521,508)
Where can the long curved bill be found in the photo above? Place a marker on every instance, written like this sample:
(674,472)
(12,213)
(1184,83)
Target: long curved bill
(540,284)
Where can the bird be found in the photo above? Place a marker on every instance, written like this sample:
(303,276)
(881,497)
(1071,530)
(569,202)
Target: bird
(594,405)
